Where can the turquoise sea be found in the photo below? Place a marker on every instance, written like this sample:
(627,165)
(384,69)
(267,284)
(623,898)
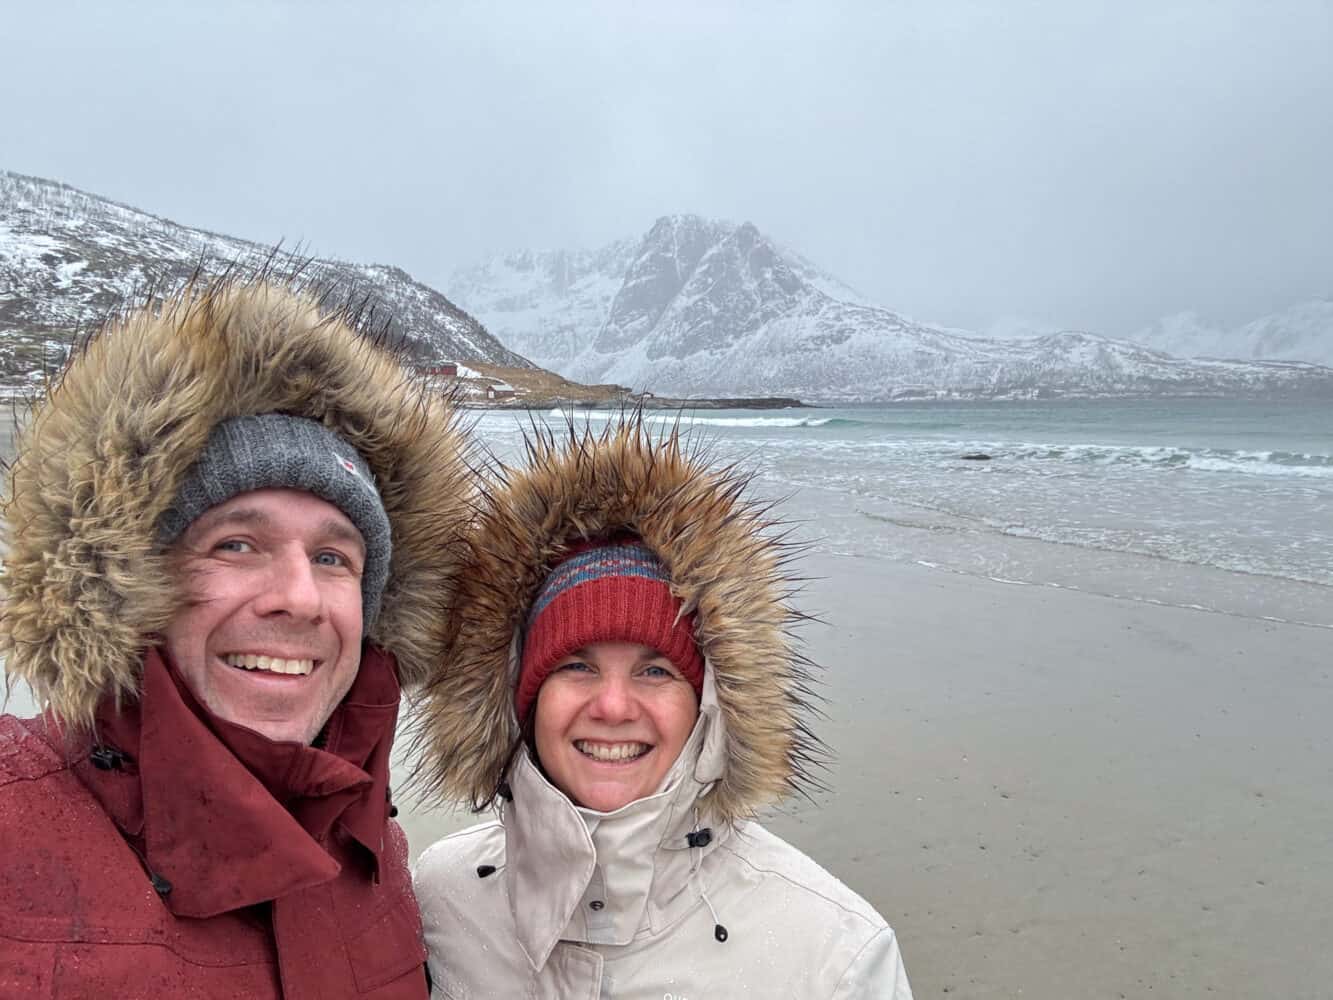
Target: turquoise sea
(1222,505)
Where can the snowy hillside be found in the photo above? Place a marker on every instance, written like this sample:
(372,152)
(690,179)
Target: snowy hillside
(1303,332)
(68,257)
(553,302)
(699,307)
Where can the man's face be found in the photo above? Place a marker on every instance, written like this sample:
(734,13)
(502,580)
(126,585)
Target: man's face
(270,634)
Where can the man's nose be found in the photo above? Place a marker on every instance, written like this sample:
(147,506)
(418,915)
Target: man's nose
(291,587)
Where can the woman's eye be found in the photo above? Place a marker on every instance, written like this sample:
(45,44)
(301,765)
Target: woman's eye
(577,665)
(653,670)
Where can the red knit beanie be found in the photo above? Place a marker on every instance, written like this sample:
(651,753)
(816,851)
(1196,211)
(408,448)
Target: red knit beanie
(610,591)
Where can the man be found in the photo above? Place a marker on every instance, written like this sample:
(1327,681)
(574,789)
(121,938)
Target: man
(232,528)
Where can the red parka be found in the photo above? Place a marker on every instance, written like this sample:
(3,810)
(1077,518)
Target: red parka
(148,848)
(178,855)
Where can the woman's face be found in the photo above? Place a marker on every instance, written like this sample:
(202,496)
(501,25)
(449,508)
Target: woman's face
(611,720)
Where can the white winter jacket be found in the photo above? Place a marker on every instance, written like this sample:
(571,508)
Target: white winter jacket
(555,902)
(678,896)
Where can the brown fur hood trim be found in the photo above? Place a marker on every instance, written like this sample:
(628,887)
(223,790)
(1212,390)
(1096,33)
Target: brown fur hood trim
(727,562)
(104,449)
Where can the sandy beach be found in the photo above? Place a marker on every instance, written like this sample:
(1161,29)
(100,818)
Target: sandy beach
(1052,794)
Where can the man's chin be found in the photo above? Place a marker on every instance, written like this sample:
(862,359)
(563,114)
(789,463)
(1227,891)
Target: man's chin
(281,722)
(286,731)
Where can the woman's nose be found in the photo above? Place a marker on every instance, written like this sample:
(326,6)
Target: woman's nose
(614,700)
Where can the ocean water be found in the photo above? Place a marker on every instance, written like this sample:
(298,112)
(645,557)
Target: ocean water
(1221,505)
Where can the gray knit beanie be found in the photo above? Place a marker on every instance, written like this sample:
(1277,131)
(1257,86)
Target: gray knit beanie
(277,451)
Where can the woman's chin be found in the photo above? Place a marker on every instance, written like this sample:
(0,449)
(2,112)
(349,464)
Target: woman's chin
(604,797)
(605,786)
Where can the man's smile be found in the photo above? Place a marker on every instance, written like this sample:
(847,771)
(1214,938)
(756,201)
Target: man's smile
(272,664)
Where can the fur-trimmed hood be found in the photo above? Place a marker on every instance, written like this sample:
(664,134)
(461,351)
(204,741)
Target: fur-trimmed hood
(728,564)
(101,455)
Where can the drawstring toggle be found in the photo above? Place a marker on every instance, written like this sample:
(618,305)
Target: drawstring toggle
(105,757)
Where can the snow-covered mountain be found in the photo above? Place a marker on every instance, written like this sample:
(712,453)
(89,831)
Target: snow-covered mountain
(1302,332)
(68,257)
(699,307)
(553,302)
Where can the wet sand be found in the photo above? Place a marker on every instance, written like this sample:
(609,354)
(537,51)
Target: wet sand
(1051,794)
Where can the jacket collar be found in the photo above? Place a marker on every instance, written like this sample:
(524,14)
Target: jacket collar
(230,818)
(635,862)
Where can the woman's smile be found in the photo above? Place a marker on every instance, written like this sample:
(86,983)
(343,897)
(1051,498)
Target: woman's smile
(611,719)
(612,753)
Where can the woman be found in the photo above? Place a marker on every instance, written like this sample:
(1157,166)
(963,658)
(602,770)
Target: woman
(624,686)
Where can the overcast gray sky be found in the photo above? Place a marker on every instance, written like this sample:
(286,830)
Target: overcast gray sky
(1073,164)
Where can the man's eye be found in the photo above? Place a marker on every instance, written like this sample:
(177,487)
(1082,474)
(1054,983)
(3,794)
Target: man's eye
(234,545)
(330,559)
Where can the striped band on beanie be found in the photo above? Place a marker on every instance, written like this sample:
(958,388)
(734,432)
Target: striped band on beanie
(615,591)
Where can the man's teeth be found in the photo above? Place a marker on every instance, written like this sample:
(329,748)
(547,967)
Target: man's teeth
(611,751)
(248,661)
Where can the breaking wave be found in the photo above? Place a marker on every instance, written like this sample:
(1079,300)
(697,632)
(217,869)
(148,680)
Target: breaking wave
(694,419)
(1252,463)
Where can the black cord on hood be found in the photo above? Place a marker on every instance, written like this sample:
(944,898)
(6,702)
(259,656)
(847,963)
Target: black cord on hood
(697,841)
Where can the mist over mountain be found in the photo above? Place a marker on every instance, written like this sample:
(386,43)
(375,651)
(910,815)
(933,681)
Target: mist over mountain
(695,307)
(552,301)
(1300,332)
(709,308)
(68,257)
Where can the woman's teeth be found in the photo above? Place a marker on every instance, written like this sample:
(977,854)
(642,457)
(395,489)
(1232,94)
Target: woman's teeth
(248,661)
(611,751)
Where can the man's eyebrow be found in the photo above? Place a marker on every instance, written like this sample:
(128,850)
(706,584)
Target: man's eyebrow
(340,531)
(237,515)
(329,529)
